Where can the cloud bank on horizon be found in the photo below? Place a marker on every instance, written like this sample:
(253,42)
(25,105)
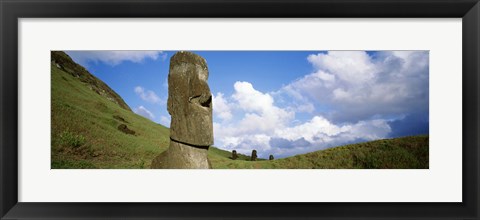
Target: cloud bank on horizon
(337,98)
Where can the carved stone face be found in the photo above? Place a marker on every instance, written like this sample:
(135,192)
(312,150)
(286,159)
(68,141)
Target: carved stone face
(190,100)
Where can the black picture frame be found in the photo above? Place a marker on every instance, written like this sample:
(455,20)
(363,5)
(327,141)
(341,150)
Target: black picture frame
(12,10)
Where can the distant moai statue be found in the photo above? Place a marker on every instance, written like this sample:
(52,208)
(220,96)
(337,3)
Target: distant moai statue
(234,155)
(254,155)
(271,157)
(190,105)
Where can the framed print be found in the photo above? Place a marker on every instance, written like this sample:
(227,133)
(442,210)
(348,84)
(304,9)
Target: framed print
(268,109)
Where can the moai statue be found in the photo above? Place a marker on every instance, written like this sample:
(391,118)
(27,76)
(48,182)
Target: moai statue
(190,105)
(234,155)
(271,157)
(254,155)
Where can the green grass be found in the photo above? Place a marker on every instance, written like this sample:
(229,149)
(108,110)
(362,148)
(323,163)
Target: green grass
(69,139)
(398,153)
(84,131)
(85,135)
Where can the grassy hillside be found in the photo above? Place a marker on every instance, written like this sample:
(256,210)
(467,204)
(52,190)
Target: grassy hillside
(92,127)
(64,62)
(85,131)
(398,153)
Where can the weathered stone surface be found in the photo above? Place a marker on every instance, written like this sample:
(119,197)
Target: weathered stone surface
(234,155)
(123,128)
(180,156)
(120,118)
(190,105)
(254,155)
(190,100)
(271,157)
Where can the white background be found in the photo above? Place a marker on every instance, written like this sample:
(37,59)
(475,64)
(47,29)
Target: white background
(441,183)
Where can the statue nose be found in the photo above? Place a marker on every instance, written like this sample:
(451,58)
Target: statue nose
(204,100)
(207,101)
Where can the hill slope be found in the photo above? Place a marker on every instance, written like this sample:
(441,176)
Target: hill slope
(92,127)
(398,153)
(85,124)
(62,61)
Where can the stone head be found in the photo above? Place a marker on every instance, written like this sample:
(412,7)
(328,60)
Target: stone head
(190,100)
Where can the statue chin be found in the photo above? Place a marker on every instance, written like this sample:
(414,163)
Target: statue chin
(181,156)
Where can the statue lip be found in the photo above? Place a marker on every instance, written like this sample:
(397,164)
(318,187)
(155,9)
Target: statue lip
(191,145)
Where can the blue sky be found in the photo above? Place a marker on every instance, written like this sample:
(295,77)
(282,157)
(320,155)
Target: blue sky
(284,102)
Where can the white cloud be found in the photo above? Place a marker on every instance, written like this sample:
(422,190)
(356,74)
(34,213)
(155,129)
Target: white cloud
(351,66)
(221,107)
(112,57)
(250,99)
(262,125)
(164,120)
(147,95)
(144,112)
(296,102)
(358,86)
(257,121)
(316,127)
(316,134)
(321,132)
(260,111)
